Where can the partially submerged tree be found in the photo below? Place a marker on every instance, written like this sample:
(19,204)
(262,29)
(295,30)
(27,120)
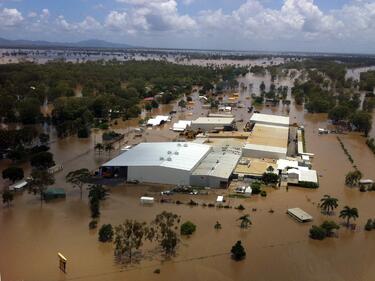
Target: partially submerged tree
(328,204)
(7,197)
(238,251)
(349,213)
(40,180)
(13,173)
(330,227)
(105,233)
(129,237)
(188,228)
(245,221)
(163,227)
(99,147)
(353,178)
(42,160)
(78,178)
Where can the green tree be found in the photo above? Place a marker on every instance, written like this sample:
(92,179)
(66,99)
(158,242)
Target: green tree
(328,204)
(338,113)
(99,147)
(245,221)
(238,251)
(40,180)
(187,228)
(13,173)
(163,227)
(29,110)
(353,178)
(42,160)
(129,237)
(329,227)
(109,147)
(362,121)
(317,233)
(105,233)
(217,225)
(182,104)
(7,197)
(270,178)
(154,104)
(348,214)
(148,106)
(78,178)
(43,138)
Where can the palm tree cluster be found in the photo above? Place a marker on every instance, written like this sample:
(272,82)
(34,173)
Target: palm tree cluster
(328,204)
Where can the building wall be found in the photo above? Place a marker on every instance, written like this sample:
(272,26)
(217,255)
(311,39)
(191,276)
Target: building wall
(254,153)
(207,126)
(270,123)
(208,181)
(159,174)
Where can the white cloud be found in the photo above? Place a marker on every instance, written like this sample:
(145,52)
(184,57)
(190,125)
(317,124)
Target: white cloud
(10,17)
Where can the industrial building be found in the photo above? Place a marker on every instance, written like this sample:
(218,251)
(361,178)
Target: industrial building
(160,162)
(158,120)
(267,119)
(212,123)
(267,141)
(181,125)
(216,169)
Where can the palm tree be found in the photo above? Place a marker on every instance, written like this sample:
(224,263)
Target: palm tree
(348,214)
(99,147)
(328,204)
(109,148)
(245,221)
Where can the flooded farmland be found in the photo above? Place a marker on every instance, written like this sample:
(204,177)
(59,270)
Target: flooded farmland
(277,247)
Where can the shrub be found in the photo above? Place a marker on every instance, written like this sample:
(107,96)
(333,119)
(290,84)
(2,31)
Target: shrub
(157,271)
(93,224)
(240,207)
(192,203)
(188,228)
(317,233)
(369,225)
(256,187)
(217,225)
(106,233)
(263,193)
(238,251)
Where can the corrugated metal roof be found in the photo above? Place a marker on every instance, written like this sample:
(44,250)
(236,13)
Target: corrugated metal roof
(214,120)
(271,119)
(265,148)
(182,156)
(219,163)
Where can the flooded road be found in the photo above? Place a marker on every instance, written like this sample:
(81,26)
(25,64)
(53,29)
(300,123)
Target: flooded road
(278,248)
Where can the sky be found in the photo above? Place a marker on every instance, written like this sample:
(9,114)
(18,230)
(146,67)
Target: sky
(343,26)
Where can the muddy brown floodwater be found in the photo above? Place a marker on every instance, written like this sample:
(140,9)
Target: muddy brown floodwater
(278,248)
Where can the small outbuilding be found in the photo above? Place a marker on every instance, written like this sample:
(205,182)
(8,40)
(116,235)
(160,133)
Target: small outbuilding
(299,214)
(54,193)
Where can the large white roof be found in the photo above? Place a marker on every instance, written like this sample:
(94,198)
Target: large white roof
(270,119)
(284,163)
(214,120)
(267,148)
(182,156)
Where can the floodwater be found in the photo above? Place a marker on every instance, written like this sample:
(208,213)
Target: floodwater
(278,248)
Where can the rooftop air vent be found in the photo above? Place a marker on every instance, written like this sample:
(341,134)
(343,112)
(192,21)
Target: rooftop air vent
(169,152)
(176,153)
(179,144)
(217,161)
(185,145)
(169,159)
(161,158)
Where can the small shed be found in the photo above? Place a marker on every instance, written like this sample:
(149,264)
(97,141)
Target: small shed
(18,185)
(54,193)
(299,214)
(147,200)
(220,200)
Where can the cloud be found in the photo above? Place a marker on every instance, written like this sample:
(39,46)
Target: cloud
(150,15)
(10,17)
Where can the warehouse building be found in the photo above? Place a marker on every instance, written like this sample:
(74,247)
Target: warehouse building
(268,119)
(212,123)
(267,141)
(161,162)
(216,169)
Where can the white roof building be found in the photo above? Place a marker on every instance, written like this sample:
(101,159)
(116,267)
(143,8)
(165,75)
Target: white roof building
(181,125)
(158,120)
(268,119)
(210,123)
(304,174)
(284,163)
(160,162)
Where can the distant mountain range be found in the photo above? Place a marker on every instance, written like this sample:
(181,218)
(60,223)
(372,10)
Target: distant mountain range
(92,43)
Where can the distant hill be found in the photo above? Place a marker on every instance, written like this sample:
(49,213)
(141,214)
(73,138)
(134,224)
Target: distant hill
(92,43)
